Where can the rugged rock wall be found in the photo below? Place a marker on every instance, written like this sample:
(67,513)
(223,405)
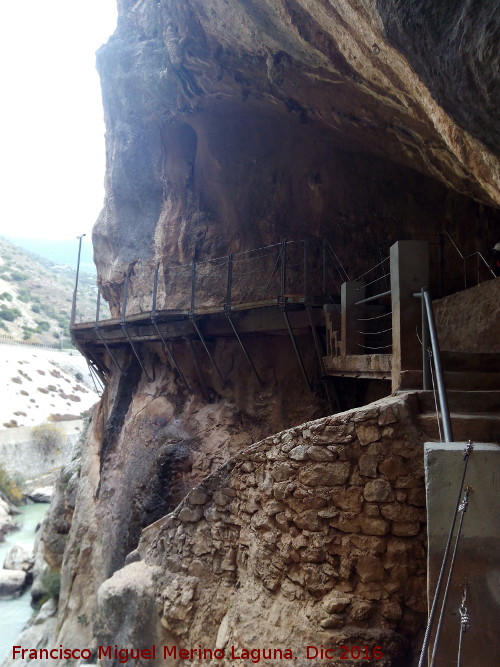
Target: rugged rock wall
(232,124)
(229,126)
(314,536)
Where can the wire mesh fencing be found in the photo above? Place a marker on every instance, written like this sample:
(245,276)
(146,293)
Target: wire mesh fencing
(285,271)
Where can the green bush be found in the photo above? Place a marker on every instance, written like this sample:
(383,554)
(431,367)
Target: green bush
(9,487)
(24,295)
(43,325)
(51,582)
(3,326)
(18,276)
(9,314)
(35,308)
(5,296)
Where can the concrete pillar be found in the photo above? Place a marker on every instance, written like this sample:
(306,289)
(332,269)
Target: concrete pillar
(409,273)
(478,549)
(351,340)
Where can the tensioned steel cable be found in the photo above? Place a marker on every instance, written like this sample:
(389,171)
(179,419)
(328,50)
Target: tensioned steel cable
(462,508)
(464,623)
(432,613)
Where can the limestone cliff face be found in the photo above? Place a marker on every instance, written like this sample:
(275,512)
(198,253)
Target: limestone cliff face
(231,124)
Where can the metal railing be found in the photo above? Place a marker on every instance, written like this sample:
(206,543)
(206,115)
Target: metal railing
(289,271)
(432,354)
(377,286)
(481,265)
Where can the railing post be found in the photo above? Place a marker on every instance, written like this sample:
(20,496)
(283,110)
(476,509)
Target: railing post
(436,355)
(441,264)
(229,286)
(305,270)
(193,285)
(409,273)
(282,273)
(324,267)
(352,338)
(73,305)
(426,362)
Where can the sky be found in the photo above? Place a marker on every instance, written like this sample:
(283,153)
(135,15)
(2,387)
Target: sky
(52,154)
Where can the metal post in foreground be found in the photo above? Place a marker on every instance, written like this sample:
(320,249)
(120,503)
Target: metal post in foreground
(73,306)
(443,399)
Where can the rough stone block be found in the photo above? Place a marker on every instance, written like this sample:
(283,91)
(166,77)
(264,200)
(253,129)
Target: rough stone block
(197,497)
(387,416)
(361,610)
(368,465)
(391,610)
(416,497)
(190,515)
(369,568)
(348,499)
(393,467)
(308,520)
(321,454)
(367,433)
(327,474)
(378,490)
(283,471)
(405,529)
(299,453)
(373,526)
(402,512)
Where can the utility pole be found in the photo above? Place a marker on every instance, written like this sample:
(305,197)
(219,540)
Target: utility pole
(73,307)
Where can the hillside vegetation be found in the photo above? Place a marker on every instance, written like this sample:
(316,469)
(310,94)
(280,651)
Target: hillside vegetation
(36,296)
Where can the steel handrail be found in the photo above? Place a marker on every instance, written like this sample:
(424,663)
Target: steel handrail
(436,355)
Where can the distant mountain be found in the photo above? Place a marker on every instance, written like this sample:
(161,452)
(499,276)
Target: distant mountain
(36,296)
(59,252)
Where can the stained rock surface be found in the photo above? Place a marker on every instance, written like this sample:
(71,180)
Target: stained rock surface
(233,124)
(313,536)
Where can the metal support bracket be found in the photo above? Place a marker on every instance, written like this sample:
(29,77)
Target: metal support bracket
(99,334)
(124,324)
(197,329)
(169,352)
(199,373)
(296,349)
(320,361)
(242,345)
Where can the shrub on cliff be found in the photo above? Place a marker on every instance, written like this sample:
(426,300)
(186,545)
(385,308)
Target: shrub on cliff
(9,314)
(48,436)
(9,487)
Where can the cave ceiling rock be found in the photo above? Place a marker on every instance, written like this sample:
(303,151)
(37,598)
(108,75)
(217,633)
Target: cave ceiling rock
(331,63)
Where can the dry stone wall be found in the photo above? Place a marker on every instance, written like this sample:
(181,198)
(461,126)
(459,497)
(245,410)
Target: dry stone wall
(313,536)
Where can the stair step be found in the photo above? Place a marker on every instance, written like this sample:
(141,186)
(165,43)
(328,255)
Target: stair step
(472,381)
(487,362)
(477,427)
(463,401)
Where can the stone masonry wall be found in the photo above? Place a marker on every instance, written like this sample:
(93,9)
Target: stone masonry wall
(315,536)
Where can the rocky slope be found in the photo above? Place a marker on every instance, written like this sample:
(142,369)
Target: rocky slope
(229,126)
(36,294)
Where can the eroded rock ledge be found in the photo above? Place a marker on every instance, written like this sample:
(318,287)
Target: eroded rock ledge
(313,536)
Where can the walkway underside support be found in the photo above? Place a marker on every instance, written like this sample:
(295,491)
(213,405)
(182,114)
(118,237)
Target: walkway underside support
(247,356)
(199,373)
(297,353)
(319,353)
(100,336)
(207,350)
(124,326)
(171,357)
